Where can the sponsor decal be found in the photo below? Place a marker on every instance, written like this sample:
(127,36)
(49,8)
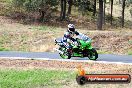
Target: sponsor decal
(83,78)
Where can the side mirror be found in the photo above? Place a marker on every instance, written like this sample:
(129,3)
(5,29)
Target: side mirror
(55,41)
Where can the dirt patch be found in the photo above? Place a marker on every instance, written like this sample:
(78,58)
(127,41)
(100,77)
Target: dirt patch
(90,66)
(114,42)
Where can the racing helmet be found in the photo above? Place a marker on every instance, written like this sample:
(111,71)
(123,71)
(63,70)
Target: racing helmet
(71,28)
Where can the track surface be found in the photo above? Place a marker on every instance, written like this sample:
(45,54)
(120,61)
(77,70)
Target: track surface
(127,59)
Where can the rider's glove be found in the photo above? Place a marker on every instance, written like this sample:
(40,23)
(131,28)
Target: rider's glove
(75,43)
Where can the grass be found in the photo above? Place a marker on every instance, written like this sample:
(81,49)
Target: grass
(130,41)
(47,78)
(13,78)
(3,49)
(130,52)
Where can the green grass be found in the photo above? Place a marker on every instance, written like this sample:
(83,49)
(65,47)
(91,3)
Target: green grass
(33,78)
(3,49)
(130,52)
(130,41)
(4,40)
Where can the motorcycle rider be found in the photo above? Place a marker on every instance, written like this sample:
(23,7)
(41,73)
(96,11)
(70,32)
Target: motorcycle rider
(68,37)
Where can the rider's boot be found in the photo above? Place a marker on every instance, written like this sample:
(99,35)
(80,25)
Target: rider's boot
(69,49)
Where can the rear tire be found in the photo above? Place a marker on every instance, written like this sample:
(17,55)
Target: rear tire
(93,55)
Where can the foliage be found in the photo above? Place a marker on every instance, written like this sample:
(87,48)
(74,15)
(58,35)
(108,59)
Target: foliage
(84,6)
(129,1)
(33,5)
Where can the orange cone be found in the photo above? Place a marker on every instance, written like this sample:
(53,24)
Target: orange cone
(81,71)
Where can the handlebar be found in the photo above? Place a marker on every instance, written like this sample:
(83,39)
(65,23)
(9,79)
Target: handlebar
(57,41)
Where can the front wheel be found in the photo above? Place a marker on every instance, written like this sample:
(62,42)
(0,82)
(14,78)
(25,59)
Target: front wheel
(93,55)
(65,55)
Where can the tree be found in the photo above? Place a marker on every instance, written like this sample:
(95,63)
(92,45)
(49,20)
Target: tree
(63,9)
(104,12)
(61,4)
(70,3)
(111,12)
(100,15)
(123,9)
(94,8)
(44,7)
(120,1)
(85,6)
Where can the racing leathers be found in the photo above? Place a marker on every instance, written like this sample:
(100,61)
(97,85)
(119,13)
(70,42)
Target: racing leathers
(68,39)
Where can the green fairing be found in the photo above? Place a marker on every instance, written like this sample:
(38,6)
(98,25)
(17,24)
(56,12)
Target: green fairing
(84,47)
(85,44)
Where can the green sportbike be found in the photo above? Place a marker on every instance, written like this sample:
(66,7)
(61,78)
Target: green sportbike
(83,49)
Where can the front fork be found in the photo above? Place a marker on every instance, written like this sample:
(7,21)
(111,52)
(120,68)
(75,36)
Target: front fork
(61,52)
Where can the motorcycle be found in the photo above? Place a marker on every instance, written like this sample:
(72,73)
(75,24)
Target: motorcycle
(83,49)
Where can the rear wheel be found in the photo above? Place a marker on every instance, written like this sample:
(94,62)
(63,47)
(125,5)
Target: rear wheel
(93,55)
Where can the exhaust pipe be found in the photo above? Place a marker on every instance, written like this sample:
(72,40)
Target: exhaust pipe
(59,51)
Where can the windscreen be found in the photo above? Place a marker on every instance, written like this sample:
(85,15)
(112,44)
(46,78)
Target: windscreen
(83,37)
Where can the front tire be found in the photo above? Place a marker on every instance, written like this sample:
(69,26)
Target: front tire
(65,55)
(93,55)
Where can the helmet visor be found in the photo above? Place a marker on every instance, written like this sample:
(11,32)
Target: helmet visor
(72,29)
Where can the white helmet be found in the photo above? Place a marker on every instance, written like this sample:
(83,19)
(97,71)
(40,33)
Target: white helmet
(71,28)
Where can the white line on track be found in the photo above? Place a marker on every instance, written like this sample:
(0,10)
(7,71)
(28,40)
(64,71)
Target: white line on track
(66,60)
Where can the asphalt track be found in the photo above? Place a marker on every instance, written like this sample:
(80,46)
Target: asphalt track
(103,58)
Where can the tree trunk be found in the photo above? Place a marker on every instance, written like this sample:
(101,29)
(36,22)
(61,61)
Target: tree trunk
(123,9)
(61,9)
(119,1)
(94,7)
(104,13)
(41,11)
(79,0)
(70,3)
(100,15)
(111,12)
(64,9)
